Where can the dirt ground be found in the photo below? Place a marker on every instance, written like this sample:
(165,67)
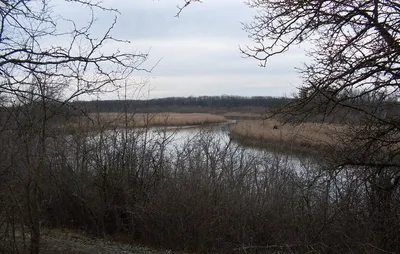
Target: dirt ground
(74,243)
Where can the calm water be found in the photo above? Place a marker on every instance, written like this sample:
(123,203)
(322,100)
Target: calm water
(215,139)
(217,136)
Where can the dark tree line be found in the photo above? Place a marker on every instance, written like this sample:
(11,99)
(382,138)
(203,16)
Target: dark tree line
(184,104)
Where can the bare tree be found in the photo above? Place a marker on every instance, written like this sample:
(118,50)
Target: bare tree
(47,60)
(75,59)
(355,61)
(355,47)
(354,74)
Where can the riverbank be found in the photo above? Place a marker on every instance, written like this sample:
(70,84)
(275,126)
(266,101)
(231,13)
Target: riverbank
(243,116)
(101,121)
(305,137)
(156,119)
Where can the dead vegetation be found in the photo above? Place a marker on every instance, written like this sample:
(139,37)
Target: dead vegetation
(155,119)
(243,115)
(203,196)
(101,121)
(275,133)
(64,241)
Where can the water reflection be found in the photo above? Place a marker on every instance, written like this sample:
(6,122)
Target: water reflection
(217,136)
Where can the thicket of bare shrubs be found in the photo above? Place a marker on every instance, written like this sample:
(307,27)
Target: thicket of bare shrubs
(204,195)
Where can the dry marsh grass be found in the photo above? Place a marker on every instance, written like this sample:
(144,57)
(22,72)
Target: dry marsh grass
(152,119)
(244,116)
(305,135)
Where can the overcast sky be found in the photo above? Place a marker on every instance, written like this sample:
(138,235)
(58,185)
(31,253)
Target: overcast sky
(199,51)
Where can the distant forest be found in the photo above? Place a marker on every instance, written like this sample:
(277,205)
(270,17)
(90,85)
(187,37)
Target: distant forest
(253,104)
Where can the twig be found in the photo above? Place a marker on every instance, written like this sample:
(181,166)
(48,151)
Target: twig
(187,2)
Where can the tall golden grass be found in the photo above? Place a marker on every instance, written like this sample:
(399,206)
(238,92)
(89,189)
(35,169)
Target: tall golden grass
(305,135)
(119,120)
(244,116)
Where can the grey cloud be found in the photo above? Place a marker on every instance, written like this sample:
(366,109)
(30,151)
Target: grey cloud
(155,19)
(199,50)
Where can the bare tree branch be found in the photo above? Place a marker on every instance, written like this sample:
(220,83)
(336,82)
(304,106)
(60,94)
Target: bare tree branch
(186,4)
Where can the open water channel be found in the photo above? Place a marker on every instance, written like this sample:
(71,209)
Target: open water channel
(217,137)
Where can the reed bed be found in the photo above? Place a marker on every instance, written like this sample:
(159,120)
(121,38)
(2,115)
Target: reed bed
(130,120)
(273,132)
(243,116)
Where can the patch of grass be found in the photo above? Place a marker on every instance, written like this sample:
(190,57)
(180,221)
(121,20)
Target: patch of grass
(68,241)
(157,119)
(243,116)
(272,132)
(96,121)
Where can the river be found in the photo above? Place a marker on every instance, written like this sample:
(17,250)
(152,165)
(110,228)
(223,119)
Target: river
(217,136)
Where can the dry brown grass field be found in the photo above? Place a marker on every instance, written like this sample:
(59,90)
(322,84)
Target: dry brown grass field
(119,120)
(271,131)
(243,115)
